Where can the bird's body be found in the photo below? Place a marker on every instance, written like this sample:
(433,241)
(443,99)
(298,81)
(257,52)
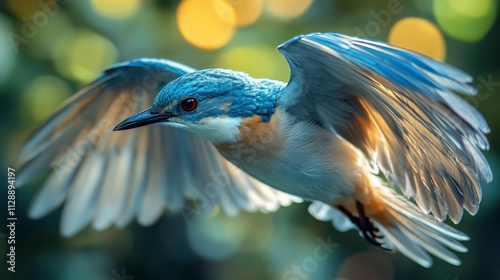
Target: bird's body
(353,110)
(293,156)
(276,148)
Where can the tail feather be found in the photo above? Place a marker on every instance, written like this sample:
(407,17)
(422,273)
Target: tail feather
(420,229)
(399,204)
(408,247)
(409,231)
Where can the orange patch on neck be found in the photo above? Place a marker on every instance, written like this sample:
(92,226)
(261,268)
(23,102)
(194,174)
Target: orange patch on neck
(258,139)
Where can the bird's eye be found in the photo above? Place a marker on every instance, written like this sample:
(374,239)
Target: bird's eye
(189,104)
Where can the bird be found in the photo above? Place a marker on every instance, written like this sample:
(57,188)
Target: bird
(373,136)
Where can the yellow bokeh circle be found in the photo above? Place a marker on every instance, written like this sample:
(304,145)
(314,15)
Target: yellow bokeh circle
(206,24)
(246,11)
(419,35)
(288,8)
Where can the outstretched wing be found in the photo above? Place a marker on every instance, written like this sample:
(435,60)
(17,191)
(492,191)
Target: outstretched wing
(399,109)
(109,177)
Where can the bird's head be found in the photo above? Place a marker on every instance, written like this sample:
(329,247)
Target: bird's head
(210,103)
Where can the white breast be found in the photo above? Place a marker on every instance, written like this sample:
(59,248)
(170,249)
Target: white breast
(296,157)
(217,130)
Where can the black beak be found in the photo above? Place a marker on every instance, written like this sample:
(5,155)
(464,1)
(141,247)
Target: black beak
(143,118)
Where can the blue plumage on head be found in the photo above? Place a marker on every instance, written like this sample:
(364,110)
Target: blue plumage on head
(219,92)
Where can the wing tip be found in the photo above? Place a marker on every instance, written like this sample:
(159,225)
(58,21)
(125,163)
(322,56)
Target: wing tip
(299,38)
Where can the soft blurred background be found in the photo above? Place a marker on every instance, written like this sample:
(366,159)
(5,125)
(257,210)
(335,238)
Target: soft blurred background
(49,49)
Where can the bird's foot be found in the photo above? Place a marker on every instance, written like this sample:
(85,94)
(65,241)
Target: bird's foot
(369,231)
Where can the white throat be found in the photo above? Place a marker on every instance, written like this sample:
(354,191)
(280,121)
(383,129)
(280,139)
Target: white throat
(217,130)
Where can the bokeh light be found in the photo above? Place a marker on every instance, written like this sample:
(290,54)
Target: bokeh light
(471,8)
(220,236)
(43,95)
(206,24)
(258,60)
(419,35)
(209,237)
(116,9)
(242,229)
(81,55)
(247,11)
(288,8)
(466,20)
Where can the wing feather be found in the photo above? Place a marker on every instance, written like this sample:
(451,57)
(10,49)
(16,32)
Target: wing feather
(400,110)
(109,177)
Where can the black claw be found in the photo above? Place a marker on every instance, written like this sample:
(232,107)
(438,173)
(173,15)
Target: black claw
(369,231)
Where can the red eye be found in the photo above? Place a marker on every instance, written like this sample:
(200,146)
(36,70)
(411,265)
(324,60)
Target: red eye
(189,104)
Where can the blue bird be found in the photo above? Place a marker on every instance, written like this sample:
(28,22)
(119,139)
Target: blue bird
(371,134)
